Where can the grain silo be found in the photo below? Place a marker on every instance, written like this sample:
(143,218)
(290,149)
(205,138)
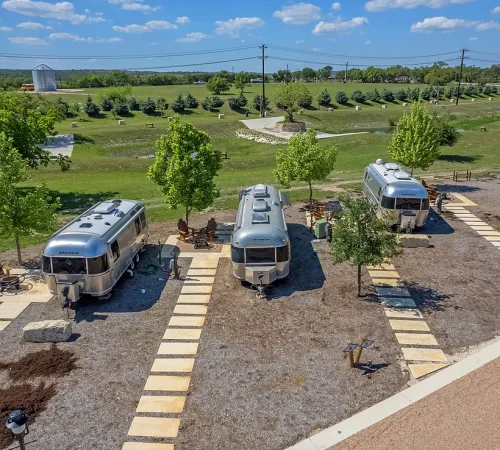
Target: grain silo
(44,78)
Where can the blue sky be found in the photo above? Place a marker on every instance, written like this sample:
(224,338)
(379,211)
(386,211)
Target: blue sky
(382,28)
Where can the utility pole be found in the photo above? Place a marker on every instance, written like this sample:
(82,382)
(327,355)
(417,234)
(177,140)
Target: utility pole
(460,77)
(262,98)
(346,68)
(286,75)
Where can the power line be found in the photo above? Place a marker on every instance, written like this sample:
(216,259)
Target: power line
(483,60)
(191,64)
(309,52)
(357,65)
(162,55)
(484,53)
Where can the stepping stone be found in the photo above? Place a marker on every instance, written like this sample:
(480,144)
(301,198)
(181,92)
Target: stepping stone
(146,446)
(410,325)
(495,243)
(186,321)
(386,282)
(398,302)
(4,324)
(467,216)
(186,334)
(202,272)
(167,383)
(416,339)
(482,227)
(383,274)
(10,310)
(403,313)
(199,280)
(178,348)
(383,266)
(464,201)
(190,309)
(420,370)
(196,289)
(199,263)
(488,238)
(393,292)
(154,427)
(193,298)
(475,223)
(424,354)
(489,233)
(173,365)
(161,404)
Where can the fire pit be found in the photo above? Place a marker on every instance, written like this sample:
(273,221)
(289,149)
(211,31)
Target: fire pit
(11,281)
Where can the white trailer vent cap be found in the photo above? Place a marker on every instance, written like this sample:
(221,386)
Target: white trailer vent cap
(105,207)
(260,205)
(260,190)
(260,218)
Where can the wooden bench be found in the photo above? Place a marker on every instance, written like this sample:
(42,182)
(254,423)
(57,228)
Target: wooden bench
(150,125)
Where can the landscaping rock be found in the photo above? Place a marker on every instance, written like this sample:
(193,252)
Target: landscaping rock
(490,99)
(358,108)
(47,331)
(221,116)
(330,109)
(414,240)
(405,104)
(121,122)
(384,106)
(472,99)
(170,119)
(74,125)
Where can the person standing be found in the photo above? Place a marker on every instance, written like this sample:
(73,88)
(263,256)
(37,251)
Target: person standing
(329,232)
(439,203)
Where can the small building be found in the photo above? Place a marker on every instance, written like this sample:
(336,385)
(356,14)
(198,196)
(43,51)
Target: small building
(256,80)
(44,78)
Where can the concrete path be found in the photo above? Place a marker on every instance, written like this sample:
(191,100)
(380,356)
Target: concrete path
(62,144)
(267,125)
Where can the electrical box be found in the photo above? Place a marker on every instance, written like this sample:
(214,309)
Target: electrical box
(68,289)
(320,229)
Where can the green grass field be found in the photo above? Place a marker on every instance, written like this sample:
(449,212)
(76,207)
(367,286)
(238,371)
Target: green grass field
(105,162)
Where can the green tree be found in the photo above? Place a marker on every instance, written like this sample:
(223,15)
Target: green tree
(290,96)
(358,96)
(437,77)
(304,160)
(388,95)
(416,141)
(106,105)
(121,109)
(148,106)
(218,84)
(133,104)
(185,167)
(324,98)
(190,102)
(118,93)
(241,80)
(361,237)
(161,104)
(178,106)
(256,102)
(308,74)
(341,98)
(90,108)
(22,213)
(28,122)
(447,132)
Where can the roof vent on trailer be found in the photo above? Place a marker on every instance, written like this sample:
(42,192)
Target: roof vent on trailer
(260,190)
(379,161)
(260,205)
(86,225)
(391,166)
(105,207)
(401,175)
(260,218)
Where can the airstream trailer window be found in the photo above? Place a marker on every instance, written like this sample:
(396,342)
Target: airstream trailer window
(237,255)
(70,266)
(260,255)
(387,202)
(143,220)
(282,254)
(115,250)
(425,204)
(408,203)
(138,226)
(98,265)
(47,268)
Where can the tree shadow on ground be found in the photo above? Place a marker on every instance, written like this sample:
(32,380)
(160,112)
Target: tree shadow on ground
(77,202)
(306,272)
(186,112)
(80,139)
(460,188)
(155,114)
(90,309)
(427,299)
(461,159)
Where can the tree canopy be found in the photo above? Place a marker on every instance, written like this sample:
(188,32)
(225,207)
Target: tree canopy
(361,237)
(241,80)
(185,167)
(218,84)
(304,160)
(23,212)
(416,141)
(289,96)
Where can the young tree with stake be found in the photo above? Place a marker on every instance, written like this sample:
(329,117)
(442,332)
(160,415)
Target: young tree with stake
(361,237)
(21,213)
(305,160)
(185,167)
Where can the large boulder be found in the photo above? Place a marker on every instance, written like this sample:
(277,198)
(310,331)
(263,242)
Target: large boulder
(414,240)
(47,331)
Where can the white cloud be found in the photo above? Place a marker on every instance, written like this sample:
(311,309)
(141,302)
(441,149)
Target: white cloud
(474,38)
(339,26)
(96,19)
(316,49)
(134,5)
(368,42)
(33,26)
(495,10)
(77,38)
(93,60)
(161,25)
(192,37)
(298,14)
(27,41)
(87,11)
(444,24)
(115,39)
(382,5)
(61,11)
(182,20)
(232,27)
(132,28)
(300,41)
(336,6)
(6,29)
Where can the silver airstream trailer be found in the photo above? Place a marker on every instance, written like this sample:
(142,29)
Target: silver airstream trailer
(260,245)
(92,252)
(402,200)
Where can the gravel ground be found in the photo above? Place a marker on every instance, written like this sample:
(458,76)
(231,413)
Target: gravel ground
(270,372)
(455,284)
